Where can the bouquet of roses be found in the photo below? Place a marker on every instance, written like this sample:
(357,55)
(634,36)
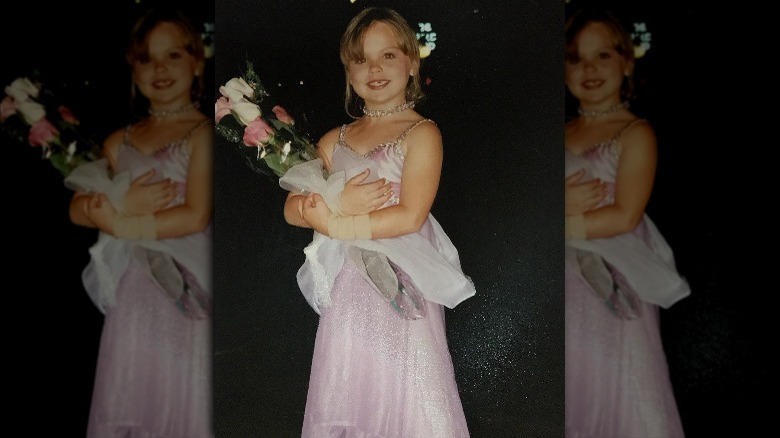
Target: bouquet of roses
(30,114)
(267,136)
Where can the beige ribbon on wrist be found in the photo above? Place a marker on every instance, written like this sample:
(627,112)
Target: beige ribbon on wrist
(349,227)
(135,226)
(575,227)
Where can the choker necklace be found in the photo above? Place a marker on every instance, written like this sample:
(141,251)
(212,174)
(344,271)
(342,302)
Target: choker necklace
(386,112)
(610,110)
(164,113)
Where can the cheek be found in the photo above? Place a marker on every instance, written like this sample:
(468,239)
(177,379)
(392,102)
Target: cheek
(354,74)
(569,74)
(408,65)
(140,74)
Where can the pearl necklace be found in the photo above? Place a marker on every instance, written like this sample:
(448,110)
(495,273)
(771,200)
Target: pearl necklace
(610,110)
(386,112)
(165,113)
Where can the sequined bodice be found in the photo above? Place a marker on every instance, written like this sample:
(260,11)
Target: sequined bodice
(385,160)
(170,161)
(599,161)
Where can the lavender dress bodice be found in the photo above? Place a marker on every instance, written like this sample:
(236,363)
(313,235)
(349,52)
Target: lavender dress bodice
(642,255)
(439,279)
(170,161)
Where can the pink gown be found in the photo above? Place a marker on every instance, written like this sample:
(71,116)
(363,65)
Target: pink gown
(374,373)
(153,376)
(617,380)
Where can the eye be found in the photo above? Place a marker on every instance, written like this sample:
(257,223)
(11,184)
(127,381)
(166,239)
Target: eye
(389,55)
(605,55)
(359,61)
(176,55)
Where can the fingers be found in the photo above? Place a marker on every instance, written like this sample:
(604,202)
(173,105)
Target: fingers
(574,177)
(359,178)
(383,198)
(143,178)
(379,186)
(96,201)
(311,200)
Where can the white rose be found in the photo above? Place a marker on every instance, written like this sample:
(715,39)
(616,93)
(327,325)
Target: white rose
(22,89)
(31,111)
(235,90)
(245,110)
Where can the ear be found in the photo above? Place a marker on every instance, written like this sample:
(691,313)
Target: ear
(200,67)
(415,68)
(629,68)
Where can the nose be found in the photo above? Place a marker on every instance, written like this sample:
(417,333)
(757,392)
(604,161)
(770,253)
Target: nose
(588,65)
(159,65)
(373,66)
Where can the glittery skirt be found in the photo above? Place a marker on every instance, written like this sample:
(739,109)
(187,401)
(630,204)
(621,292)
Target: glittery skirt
(617,379)
(376,374)
(153,376)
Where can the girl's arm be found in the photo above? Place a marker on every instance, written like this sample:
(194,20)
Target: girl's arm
(192,216)
(633,186)
(293,206)
(582,196)
(421,174)
(80,204)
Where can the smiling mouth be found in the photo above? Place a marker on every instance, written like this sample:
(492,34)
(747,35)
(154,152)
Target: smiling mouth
(376,85)
(592,83)
(162,83)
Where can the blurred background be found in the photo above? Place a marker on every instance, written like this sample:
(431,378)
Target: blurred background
(55,329)
(696,87)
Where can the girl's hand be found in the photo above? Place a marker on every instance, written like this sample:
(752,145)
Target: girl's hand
(100,211)
(315,212)
(143,198)
(362,198)
(581,197)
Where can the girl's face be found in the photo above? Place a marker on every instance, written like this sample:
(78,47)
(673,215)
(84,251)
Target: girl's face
(166,76)
(596,75)
(380,77)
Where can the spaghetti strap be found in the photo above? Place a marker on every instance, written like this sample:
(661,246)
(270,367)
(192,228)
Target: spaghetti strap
(126,138)
(627,125)
(201,123)
(414,125)
(342,133)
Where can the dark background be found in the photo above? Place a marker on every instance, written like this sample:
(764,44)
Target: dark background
(497,94)
(53,327)
(696,86)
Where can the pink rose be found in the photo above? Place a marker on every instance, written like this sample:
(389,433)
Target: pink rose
(42,133)
(257,132)
(67,115)
(221,108)
(7,108)
(282,115)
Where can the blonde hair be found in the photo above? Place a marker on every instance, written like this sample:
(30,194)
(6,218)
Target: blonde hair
(351,49)
(621,40)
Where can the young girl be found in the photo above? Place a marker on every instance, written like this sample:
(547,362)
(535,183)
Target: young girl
(380,267)
(619,268)
(150,270)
